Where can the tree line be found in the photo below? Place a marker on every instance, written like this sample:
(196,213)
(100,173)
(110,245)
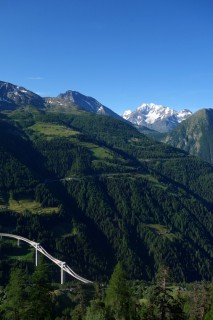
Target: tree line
(31,295)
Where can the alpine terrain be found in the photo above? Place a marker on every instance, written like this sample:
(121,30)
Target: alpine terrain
(75,100)
(12,96)
(156,117)
(195,135)
(93,190)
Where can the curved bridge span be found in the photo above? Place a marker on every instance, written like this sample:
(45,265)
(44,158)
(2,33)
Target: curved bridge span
(38,247)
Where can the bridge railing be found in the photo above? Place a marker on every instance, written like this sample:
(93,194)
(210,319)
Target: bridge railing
(38,247)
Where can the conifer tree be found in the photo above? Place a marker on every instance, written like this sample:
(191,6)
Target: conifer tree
(198,301)
(40,294)
(97,311)
(14,305)
(209,313)
(80,309)
(118,295)
(162,294)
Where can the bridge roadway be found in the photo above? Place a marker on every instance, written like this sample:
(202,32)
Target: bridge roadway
(38,247)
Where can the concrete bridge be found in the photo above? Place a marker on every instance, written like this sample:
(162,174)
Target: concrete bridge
(38,248)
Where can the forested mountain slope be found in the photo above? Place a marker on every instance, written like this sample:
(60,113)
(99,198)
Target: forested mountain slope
(194,135)
(93,190)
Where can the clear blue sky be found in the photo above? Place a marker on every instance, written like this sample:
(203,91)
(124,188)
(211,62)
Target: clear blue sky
(121,52)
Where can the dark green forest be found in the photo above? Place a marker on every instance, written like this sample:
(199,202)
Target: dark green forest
(93,191)
(30,294)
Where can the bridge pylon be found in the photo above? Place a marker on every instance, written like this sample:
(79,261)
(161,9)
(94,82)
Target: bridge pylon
(62,272)
(36,254)
(38,247)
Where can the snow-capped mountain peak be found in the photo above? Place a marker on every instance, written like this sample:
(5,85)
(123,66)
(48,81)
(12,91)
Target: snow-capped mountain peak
(157,117)
(183,115)
(126,113)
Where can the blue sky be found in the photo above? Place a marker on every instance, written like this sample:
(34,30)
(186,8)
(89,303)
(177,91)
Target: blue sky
(121,52)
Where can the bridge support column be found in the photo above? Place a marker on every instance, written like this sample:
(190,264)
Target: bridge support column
(36,255)
(62,272)
(18,242)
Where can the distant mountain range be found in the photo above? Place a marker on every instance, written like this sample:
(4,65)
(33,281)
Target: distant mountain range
(182,129)
(13,96)
(152,116)
(156,117)
(190,132)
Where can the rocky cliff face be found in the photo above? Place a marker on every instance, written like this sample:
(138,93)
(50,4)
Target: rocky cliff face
(12,96)
(86,103)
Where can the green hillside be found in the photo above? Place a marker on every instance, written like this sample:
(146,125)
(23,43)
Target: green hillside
(194,135)
(93,191)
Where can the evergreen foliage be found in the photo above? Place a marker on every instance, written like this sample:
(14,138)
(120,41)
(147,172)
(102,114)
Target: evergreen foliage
(31,296)
(118,295)
(104,193)
(14,306)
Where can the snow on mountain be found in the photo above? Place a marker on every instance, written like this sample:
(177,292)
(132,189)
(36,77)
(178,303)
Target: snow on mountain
(12,96)
(153,116)
(183,115)
(126,113)
(87,103)
(156,117)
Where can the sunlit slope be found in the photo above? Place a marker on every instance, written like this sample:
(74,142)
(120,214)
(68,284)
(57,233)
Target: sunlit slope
(195,135)
(110,193)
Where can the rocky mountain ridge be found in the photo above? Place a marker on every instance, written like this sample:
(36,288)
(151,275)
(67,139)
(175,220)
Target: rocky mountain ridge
(85,103)
(94,191)
(195,135)
(13,96)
